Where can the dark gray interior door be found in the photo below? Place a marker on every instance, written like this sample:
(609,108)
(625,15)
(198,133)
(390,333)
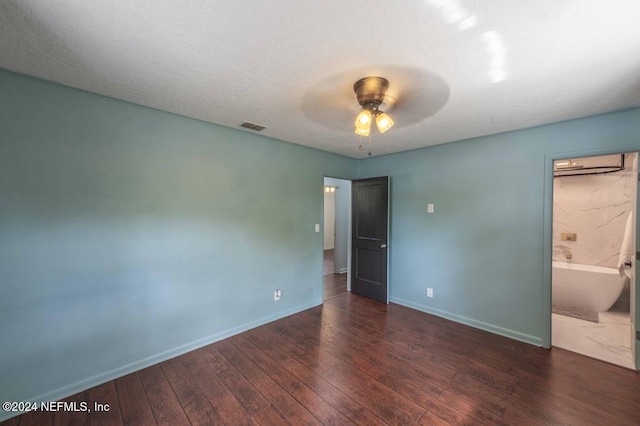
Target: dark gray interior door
(370,236)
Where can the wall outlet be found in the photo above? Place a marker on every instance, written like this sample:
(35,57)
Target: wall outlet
(277,294)
(430,208)
(429,292)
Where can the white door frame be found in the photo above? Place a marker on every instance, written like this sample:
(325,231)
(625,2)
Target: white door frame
(548,237)
(336,228)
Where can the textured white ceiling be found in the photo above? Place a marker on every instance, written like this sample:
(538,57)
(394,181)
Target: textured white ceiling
(457,69)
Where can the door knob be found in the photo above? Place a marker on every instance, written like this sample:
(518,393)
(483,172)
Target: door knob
(383,246)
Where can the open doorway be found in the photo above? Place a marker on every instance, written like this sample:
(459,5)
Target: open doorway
(336,239)
(593,265)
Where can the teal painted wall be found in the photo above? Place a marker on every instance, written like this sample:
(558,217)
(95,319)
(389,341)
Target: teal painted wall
(130,235)
(482,251)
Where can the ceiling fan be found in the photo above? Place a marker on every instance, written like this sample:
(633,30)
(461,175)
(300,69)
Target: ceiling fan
(414,95)
(370,92)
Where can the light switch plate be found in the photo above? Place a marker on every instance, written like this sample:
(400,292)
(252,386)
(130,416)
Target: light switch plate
(317,227)
(430,208)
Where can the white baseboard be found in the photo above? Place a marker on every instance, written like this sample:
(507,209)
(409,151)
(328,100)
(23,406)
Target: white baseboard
(512,334)
(90,382)
(344,270)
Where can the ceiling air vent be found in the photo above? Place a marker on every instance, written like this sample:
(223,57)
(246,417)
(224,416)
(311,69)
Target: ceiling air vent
(252,126)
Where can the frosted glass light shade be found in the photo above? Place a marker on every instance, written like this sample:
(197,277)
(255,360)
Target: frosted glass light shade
(362,132)
(384,122)
(363,120)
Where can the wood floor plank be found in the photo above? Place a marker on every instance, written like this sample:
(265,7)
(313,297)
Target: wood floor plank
(409,354)
(430,419)
(387,404)
(486,397)
(250,399)
(334,285)
(456,416)
(277,346)
(367,317)
(569,407)
(280,399)
(74,414)
(575,367)
(269,417)
(341,400)
(195,405)
(490,376)
(226,405)
(132,399)
(11,422)
(230,410)
(433,335)
(200,373)
(482,411)
(164,404)
(36,418)
(105,395)
(590,391)
(345,322)
(519,412)
(342,338)
(415,384)
(495,359)
(313,357)
(309,399)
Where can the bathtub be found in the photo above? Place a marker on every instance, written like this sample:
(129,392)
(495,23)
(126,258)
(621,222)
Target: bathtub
(585,286)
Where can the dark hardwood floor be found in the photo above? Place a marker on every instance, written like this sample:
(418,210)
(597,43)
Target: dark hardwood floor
(332,284)
(355,361)
(328,262)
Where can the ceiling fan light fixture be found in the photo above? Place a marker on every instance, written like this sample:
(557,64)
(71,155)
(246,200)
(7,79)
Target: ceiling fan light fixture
(363,132)
(363,120)
(370,92)
(384,122)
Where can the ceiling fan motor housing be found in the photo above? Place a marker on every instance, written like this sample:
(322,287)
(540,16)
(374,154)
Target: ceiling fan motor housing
(371,91)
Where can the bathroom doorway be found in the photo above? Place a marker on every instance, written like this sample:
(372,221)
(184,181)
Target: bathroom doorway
(593,265)
(336,239)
